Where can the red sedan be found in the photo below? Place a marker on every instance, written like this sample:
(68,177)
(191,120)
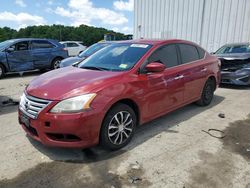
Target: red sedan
(122,86)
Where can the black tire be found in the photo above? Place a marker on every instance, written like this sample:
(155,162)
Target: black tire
(111,140)
(2,71)
(207,93)
(56,63)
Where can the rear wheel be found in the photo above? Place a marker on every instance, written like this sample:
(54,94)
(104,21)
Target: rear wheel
(56,63)
(207,93)
(2,71)
(118,127)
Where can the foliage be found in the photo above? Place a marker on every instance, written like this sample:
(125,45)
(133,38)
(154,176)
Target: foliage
(87,34)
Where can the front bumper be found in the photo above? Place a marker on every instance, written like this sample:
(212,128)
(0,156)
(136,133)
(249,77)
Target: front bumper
(233,78)
(80,130)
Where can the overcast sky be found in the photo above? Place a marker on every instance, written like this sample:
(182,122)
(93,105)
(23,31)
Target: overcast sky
(111,14)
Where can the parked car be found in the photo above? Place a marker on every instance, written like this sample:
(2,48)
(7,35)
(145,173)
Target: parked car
(74,47)
(83,55)
(235,63)
(19,55)
(126,84)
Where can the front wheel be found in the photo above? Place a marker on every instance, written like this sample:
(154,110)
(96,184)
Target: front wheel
(118,127)
(207,93)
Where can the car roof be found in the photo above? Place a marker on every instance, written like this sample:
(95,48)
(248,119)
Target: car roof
(24,39)
(28,39)
(107,42)
(71,41)
(237,44)
(154,41)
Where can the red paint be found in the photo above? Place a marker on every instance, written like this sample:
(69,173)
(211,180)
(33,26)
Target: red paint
(155,67)
(155,94)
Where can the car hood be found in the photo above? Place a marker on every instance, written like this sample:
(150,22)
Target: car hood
(69,82)
(69,61)
(234,56)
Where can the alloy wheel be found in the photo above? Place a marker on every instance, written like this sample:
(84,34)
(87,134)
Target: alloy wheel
(57,64)
(120,127)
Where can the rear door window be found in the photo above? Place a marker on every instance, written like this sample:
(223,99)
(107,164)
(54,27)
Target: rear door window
(41,44)
(189,53)
(72,44)
(201,52)
(166,55)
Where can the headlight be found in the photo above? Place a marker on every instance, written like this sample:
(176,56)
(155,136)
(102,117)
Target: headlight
(74,104)
(242,72)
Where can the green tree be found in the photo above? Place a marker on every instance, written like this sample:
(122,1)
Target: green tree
(87,34)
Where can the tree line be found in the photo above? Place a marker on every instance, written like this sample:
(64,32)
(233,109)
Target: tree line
(87,34)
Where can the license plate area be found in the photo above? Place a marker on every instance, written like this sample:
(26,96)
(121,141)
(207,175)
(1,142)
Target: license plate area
(25,120)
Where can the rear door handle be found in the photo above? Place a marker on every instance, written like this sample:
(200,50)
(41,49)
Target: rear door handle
(178,77)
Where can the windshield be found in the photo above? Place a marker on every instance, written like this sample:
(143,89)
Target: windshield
(234,49)
(5,44)
(116,57)
(92,49)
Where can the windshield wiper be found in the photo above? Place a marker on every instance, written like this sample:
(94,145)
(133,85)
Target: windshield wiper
(94,68)
(76,64)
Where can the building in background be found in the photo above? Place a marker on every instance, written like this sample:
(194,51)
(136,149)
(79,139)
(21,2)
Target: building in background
(210,23)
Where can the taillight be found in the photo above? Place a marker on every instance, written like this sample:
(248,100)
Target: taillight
(66,50)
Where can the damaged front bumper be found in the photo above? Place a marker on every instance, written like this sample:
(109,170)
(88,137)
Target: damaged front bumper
(235,78)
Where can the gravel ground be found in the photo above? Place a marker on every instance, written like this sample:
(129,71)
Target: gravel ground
(176,150)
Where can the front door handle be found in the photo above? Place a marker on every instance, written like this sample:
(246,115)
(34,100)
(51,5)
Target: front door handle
(204,70)
(178,77)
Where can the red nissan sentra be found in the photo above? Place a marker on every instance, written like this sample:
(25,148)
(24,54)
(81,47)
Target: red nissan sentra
(122,86)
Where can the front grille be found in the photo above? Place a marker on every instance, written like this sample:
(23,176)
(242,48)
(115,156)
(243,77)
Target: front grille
(225,81)
(245,79)
(32,131)
(32,106)
(63,137)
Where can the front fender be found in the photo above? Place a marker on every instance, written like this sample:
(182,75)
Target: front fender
(3,60)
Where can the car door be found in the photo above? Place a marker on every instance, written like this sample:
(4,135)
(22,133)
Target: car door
(41,53)
(20,57)
(164,89)
(73,48)
(194,70)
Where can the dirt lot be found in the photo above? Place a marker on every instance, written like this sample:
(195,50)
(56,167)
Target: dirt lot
(173,151)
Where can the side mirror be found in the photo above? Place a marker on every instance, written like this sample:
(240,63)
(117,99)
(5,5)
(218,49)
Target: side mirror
(10,49)
(155,67)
